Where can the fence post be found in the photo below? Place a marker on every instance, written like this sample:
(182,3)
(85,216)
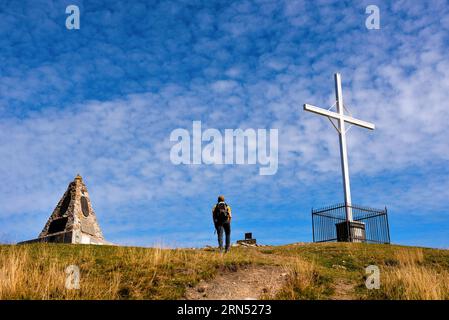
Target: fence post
(313,225)
(348,223)
(388,225)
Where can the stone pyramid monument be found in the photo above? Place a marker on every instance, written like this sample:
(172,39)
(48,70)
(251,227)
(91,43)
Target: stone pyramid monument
(73,220)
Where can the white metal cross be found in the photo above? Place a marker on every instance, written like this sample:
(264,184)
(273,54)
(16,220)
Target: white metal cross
(341,117)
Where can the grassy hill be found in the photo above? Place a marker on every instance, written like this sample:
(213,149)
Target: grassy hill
(306,271)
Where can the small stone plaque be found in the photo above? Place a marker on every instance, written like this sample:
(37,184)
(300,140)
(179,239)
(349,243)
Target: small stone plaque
(86,227)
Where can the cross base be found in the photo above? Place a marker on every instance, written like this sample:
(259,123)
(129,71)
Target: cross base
(351,231)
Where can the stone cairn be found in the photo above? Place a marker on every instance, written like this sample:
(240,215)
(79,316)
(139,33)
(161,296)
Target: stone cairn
(73,220)
(248,242)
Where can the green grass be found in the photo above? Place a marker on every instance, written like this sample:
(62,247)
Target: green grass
(37,271)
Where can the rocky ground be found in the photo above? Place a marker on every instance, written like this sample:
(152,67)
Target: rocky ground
(245,283)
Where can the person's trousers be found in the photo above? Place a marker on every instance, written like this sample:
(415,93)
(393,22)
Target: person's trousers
(226,227)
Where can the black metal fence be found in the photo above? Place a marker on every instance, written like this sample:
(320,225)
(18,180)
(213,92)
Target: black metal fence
(368,225)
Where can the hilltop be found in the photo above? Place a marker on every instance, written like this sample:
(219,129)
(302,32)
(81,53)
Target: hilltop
(297,271)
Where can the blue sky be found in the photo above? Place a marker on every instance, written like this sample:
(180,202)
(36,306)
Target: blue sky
(102,101)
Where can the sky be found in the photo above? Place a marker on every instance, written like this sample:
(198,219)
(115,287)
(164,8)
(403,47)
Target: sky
(103,100)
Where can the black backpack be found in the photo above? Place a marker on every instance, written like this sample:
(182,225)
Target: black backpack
(221,212)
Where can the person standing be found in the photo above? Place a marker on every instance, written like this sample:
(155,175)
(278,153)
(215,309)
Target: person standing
(221,214)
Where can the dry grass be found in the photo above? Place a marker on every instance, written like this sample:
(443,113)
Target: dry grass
(18,280)
(415,283)
(412,279)
(305,281)
(37,271)
(409,256)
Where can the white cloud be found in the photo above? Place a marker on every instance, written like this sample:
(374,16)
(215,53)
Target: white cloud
(396,78)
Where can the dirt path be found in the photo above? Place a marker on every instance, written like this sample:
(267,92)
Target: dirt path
(344,290)
(245,283)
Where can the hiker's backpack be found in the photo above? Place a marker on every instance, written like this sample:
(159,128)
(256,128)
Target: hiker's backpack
(221,212)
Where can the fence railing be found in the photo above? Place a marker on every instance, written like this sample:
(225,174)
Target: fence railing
(368,225)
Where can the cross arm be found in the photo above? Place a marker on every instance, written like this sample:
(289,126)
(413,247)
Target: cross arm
(337,116)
